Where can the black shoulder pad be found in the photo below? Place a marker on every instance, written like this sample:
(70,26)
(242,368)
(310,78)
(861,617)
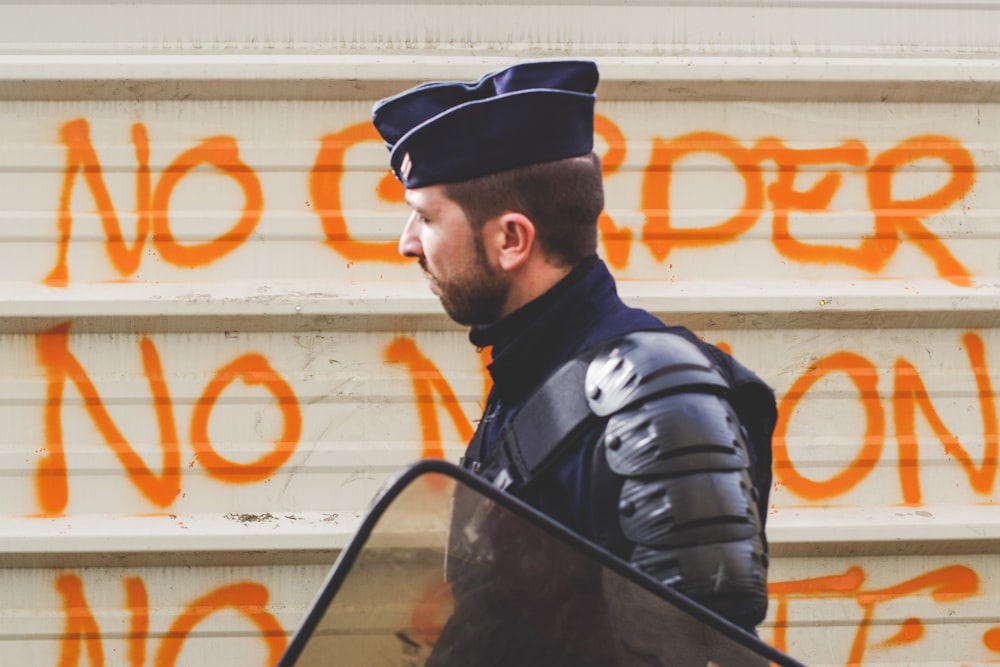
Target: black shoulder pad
(644,364)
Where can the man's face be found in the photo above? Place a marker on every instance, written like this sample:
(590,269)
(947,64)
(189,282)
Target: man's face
(471,286)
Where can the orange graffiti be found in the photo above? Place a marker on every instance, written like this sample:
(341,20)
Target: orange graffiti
(950,583)
(427,380)
(52,476)
(724,346)
(909,394)
(151,209)
(869,255)
(891,216)
(904,214)
(864,375)
(253,369)
(894,219)
(840,585)
(80,625)
(658,233)
(81,156)
(617,240)
(137,601)
(223,154)
(324,188)
(911,631)
(431,611)
(249,599)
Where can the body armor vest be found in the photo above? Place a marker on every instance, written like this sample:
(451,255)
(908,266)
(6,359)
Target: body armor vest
(674,475)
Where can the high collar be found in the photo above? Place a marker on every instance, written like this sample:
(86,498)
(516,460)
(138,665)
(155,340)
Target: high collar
(547,331)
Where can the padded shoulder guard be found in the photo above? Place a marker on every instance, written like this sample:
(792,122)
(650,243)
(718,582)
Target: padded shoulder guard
(687,506)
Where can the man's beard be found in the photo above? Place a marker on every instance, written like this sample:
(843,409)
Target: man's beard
(476,296)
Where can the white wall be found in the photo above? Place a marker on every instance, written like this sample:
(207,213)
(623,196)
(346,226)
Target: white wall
(195,418)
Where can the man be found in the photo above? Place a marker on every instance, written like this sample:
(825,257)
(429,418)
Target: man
(656,446)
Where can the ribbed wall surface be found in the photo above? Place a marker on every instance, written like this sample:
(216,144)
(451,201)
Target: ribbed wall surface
(212,357)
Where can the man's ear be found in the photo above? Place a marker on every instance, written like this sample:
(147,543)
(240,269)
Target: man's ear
(513,236)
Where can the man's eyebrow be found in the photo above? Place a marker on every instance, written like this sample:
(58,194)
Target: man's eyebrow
(419,209)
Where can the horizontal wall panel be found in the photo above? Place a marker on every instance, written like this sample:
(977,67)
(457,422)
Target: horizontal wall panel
(878,77)
(735,26)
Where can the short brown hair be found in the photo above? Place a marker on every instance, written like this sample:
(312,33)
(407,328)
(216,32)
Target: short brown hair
(563,199)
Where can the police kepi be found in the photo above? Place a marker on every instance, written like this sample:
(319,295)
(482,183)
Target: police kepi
(451,131)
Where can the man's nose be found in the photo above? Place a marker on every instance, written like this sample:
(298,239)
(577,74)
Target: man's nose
(409,240)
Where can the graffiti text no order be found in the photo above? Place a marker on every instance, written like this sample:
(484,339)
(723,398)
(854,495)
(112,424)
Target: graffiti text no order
(895,219)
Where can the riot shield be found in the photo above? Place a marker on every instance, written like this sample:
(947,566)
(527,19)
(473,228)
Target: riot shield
(448,571)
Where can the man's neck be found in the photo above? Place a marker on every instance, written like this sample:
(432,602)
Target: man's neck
(534,281)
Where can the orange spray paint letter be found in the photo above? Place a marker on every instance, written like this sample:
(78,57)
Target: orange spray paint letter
(872,252)
(223,154)
(81,156)
(137,601)
(658,233)
(837,585)
(427,380)
(51,477)
(946,584)
(324,188)
(617,240)
(905,215)
(864,375)
(253,369)
(247,598)
(909,394)
(80,625)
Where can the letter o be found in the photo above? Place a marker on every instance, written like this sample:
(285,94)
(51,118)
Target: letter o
(247,598)
(222,153)
(254,370)
(864,375)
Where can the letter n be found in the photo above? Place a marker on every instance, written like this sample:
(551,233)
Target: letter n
(80,625)
(81,157)
(910,395)
(52,478)
(427,380)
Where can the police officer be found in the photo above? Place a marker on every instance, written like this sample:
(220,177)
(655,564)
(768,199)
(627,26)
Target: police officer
(638,436)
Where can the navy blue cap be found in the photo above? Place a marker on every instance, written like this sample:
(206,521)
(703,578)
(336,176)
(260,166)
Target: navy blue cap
(450,131)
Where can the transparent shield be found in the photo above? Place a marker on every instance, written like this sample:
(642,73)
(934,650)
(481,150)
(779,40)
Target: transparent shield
(447,571)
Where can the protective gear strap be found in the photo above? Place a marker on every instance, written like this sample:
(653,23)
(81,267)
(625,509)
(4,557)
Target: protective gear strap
(534,437)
